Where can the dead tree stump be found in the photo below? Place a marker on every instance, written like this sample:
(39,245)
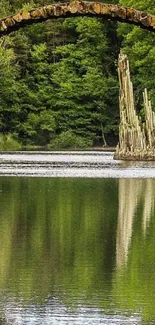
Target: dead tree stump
(136,138)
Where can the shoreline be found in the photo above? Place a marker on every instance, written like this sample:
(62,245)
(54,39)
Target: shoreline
(35,149)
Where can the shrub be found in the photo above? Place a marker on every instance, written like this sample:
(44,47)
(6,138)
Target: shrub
(8,142)
(69,140)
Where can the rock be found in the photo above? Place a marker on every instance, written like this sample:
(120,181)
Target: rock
(18,17)
(110,11)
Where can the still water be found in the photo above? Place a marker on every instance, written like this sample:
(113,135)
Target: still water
(77,246)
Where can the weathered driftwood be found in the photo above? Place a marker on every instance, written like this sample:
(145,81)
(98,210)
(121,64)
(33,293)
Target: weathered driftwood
(77,8)
(136,139)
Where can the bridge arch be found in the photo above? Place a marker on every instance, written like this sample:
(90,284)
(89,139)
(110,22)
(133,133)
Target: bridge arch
(77,8)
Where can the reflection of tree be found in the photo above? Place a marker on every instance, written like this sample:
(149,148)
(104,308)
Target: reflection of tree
(55,236)
(133,194)
(133,285)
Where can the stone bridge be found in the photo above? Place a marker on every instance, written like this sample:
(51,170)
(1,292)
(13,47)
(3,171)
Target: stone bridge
(77,8)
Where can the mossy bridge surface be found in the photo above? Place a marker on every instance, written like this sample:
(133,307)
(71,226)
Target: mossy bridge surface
(77,8)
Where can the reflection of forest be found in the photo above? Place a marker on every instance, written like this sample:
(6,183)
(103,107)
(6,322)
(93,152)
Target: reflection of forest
(134,195)
(57,230)
(61,238)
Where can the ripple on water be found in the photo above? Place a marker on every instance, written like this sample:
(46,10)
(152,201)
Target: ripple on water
(72,164)
(56,313)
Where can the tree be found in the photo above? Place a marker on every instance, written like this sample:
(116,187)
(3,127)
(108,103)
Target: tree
(62,79)
(83,81)
(139,46)
(9,108)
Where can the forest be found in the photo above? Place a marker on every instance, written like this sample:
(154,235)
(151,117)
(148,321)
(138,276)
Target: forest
(58,79)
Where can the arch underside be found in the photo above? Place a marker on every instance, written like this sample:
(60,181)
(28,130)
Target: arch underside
(77,8)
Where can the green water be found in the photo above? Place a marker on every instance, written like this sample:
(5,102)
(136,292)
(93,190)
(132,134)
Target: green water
(86,246)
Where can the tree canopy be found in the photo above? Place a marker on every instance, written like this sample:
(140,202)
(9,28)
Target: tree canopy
(59,85)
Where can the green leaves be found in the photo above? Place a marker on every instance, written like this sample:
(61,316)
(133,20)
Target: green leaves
(80,78)
(39,127)
(59,78)
(68,139)
(139,46)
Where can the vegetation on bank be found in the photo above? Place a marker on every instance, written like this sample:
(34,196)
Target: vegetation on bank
(8,142)
(59,85)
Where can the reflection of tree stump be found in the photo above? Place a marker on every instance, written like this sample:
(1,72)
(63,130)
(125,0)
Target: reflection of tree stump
(136,139)
(139,192)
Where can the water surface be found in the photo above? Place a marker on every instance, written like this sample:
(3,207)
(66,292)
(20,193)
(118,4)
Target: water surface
(90,164)
(76,250)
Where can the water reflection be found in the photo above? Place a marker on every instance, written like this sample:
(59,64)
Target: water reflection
(149,203)
(134,195)
(54,242)
(134,278)
(77,251)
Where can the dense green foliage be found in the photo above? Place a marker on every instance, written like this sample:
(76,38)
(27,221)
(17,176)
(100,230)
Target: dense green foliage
(139,45)
(59,79)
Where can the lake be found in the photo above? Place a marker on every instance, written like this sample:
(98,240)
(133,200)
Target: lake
(77,239)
